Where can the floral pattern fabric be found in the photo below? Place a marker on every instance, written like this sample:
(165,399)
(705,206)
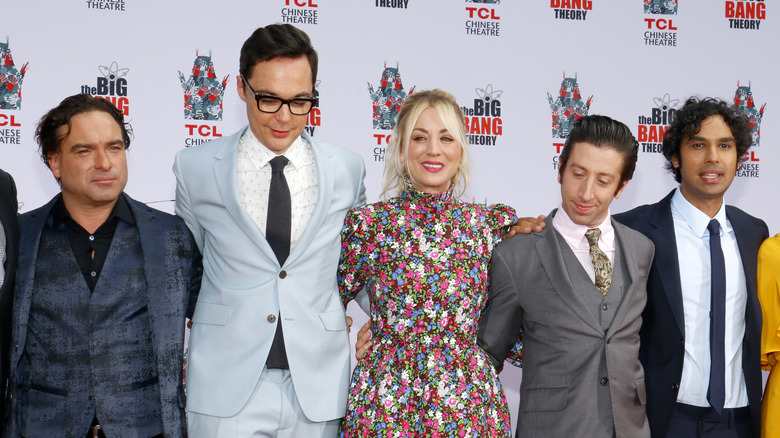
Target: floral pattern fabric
(424,261)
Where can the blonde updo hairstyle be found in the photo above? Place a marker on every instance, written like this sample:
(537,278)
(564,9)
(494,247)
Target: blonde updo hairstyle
(397,153)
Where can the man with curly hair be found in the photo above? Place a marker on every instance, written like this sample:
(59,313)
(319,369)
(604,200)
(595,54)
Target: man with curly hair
(701,329)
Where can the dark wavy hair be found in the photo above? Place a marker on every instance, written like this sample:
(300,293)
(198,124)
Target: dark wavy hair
(48,133)
(603,132)
(277,41)
(687,123)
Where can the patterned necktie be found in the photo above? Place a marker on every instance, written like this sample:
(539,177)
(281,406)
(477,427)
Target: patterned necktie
(600,261)
(277,229)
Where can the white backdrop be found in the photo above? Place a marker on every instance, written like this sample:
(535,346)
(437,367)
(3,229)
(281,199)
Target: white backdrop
(630,62)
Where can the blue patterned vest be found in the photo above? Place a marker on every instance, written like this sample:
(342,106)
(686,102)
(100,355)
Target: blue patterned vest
(90,353)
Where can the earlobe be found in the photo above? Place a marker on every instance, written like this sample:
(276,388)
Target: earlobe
(675,162)
(240,87)
(54,165)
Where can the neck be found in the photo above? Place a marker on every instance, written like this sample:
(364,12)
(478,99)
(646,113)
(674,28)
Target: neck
(708,206)
(89,217)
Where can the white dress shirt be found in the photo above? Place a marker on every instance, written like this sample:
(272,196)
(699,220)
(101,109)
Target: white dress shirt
(254,180)
(693,253)
(574,235)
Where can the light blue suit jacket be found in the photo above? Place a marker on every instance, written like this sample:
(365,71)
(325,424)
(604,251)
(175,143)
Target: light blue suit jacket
(244,288)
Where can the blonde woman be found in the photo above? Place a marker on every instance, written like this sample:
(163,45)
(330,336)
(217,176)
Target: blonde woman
(423,257)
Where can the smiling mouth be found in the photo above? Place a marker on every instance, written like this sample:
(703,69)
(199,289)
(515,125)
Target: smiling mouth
(433,167)
(710,176)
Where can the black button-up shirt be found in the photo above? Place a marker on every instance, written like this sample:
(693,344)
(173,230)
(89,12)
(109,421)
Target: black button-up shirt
(91,250)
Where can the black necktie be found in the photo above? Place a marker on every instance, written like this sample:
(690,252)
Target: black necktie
(277,233)
(277,228)
(716,394)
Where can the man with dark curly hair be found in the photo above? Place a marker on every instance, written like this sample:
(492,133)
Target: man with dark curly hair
(701,329)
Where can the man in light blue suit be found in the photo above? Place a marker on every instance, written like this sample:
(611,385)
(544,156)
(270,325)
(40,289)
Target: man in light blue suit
(269,347)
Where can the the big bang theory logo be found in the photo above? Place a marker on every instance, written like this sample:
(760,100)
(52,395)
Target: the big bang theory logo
(483,20)
(651,128)
(10,95)
(396,4)
(743,99)
(483,119)
(300,11)
(745,14)
(660,31)
(571,9)
(387,99)
(111,85)
(566,108)
(203,96)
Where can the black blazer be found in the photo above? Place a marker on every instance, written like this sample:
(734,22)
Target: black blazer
(663,335)
(8,210)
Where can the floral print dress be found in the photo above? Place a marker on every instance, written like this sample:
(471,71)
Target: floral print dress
(424,261)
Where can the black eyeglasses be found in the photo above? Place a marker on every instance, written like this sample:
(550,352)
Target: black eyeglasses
(300,106)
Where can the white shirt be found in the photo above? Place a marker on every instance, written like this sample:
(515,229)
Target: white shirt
(693,253)
(574,235)
(254,180)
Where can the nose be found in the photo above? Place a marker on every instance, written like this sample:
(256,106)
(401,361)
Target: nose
(102,161)
(284,114)
(434,147)
(712,154)
(586,190)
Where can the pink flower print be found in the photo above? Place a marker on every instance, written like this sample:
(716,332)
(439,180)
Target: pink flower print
(380,237)
(434,254)
(456,233)
(417,233)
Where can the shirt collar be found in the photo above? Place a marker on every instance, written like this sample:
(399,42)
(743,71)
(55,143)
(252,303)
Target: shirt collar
(261,155)
(574,234)
(121,210)
(697,220)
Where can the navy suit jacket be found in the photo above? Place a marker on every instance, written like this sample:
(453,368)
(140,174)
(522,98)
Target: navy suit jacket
(8,208)
(663,330)
(172,270)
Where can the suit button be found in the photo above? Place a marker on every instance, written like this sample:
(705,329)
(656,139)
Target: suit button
(283,274)
(271,318)
(91,398)
(675,386)
(604,381)
(604,307)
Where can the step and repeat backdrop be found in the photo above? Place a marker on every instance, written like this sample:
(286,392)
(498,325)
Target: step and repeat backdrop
(522,70)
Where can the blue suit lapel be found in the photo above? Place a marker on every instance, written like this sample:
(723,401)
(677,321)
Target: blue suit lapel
(667,266)
(29,241)
(225,174)
(325,183)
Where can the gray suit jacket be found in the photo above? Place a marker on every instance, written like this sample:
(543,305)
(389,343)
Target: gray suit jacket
(244,288)
(568,359)
(172,270)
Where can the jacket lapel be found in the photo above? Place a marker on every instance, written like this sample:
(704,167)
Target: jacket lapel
(667,266)
(325,184)
(628,259)
(226,175)
(29,241)
(549,251)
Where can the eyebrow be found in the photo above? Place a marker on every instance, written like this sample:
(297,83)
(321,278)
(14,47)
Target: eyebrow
(92,146)
(272,94)
(443,130)
(607,174)
(700,138)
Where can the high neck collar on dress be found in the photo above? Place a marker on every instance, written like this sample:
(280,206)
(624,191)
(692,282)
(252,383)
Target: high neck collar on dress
(413,195)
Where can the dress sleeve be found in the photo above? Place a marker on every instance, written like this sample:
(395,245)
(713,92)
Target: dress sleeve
(501,218)
(354,256)
(769,296)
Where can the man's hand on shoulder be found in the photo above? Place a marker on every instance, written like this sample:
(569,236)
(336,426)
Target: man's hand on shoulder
(525,225)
